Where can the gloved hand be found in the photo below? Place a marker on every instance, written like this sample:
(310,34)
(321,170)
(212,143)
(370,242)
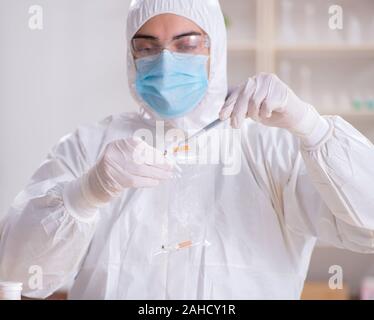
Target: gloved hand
(268,100)
(127,163)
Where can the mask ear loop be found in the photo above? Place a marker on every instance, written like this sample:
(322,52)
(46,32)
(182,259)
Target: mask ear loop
(208,45)
(207,42)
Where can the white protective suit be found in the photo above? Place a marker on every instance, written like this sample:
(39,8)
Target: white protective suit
(257,228)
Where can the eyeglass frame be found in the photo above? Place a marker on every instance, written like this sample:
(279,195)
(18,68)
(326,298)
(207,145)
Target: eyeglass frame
(165,44)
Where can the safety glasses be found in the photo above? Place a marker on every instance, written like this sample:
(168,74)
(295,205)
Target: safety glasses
(190,44)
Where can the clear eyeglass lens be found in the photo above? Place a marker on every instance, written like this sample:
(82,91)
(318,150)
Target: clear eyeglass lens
(193,44)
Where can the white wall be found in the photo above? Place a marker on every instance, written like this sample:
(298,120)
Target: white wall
(70,73)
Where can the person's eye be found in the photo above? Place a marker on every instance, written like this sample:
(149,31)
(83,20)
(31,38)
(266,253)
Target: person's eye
(187,46)
(141,45)
(145,49)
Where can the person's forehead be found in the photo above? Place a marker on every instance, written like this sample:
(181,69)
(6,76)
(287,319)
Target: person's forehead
(168,23)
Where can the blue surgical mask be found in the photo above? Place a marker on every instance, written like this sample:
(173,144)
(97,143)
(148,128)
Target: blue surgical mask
(172,84)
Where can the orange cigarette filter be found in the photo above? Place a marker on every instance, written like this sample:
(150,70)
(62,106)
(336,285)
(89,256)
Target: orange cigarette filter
(181,148)
(185,244)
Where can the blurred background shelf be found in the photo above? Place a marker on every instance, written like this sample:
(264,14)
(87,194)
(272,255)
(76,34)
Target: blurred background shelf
(331,69)
(369,116)
(242,46)
(317,48)
(321,291)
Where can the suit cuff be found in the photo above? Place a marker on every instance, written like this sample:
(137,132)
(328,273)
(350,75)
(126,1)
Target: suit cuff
(76,203)
(313,129)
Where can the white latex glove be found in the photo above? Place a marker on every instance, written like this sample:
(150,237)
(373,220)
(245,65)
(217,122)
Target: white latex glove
(268,100)
(126,163)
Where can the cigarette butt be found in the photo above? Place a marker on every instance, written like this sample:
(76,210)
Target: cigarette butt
(185,244)
(181,148)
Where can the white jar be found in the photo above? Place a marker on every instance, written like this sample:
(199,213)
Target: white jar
(10,290)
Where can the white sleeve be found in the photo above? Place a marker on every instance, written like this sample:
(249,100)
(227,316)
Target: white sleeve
(329,192)
(40,231)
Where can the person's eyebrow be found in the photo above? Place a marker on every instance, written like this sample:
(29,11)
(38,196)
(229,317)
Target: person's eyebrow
(144,36)
(191,33)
